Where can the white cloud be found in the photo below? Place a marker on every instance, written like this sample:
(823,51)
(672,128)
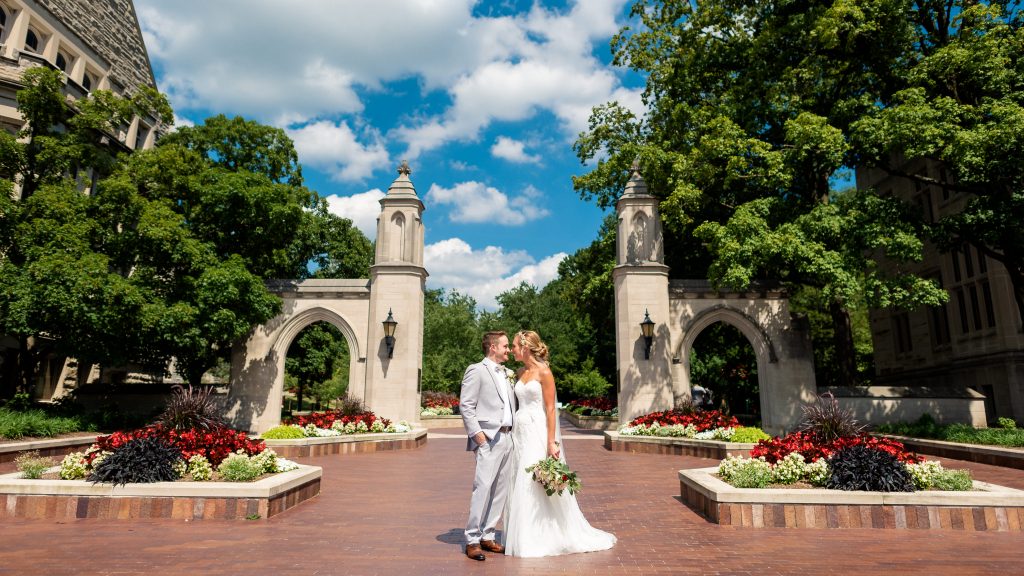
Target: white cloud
(362,209)
(335,149)
(513,151)
(475,202)
(290,64)
(483,274)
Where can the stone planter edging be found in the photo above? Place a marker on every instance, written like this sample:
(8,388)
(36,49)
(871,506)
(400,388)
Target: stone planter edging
(592,422)
(451,421)
(716,449)
(988,508)
(347,444)
(62,499)
(46,447)
(981,453)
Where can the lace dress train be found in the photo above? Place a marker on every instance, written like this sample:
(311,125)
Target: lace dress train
(537,524)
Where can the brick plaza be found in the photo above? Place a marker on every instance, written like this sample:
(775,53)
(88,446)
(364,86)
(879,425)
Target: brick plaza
(402,512)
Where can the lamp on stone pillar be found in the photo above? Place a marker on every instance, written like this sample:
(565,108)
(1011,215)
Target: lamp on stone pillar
(647,328)
(389,333)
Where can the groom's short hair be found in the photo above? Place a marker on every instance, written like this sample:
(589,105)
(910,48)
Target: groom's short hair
(491,338)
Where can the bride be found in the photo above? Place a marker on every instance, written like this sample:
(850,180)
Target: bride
(537,524)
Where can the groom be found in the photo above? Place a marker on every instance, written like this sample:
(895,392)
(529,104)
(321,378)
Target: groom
(486,407)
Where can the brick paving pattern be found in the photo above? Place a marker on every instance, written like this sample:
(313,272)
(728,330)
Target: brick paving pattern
(402,512)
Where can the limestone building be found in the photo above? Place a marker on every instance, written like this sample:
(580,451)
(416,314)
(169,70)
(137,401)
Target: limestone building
(975,340)
(97,45)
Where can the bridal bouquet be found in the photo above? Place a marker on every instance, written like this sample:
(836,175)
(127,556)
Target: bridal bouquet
(555,476)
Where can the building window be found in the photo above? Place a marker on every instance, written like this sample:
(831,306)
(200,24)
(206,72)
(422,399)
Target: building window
(990,312)
(87,82)
(982,265)
(961,304)
(968,262)
(901,333)
(61,62)
(939,319)
(3,21)
(955,255)
(32,40)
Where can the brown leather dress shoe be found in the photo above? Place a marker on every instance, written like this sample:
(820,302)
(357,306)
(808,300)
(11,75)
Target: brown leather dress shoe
(492,546)
(474,552)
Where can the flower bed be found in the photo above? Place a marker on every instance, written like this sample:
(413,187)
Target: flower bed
(700,425)
(987,507)
(592,413)
(705,434)
(67,499)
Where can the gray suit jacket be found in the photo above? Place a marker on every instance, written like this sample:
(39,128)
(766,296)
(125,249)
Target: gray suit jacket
(480,402)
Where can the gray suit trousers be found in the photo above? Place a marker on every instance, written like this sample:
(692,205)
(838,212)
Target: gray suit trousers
(490,488)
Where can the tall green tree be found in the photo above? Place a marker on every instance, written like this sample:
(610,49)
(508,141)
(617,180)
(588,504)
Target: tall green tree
(451,339)
(749,127)
(166,258)
(962,106)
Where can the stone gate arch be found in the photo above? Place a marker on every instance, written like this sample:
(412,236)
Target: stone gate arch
(656,378)
(386,378)
(785,368)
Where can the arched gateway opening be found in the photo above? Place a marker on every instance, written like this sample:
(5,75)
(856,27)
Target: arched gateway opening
(660,375)
(383,374)
(723,372)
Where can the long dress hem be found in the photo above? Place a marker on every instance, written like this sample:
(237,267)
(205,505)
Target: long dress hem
(536,524)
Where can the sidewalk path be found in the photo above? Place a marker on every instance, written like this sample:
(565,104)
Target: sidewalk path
(403,513)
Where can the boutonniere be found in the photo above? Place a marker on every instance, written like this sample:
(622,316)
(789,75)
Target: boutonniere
(511,376)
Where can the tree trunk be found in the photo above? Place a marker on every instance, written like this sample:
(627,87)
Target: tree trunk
(298,394)
(843,339)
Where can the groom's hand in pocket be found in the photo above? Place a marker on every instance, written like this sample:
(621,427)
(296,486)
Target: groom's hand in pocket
(480,439)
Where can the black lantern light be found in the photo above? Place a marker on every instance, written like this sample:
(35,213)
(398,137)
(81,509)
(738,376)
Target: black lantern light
(647,328)
(389,333)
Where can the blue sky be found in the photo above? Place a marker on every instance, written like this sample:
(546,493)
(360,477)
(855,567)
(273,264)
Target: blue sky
(483,98)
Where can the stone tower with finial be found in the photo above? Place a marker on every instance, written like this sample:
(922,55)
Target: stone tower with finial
(641,291)
(397,282)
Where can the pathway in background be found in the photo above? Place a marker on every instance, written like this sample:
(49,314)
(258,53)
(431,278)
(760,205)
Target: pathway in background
(403,513)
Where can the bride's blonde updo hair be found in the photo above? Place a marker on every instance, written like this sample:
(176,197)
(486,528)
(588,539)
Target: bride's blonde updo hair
(531,341)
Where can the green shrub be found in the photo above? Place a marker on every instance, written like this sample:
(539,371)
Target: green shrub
(240,468)
(73,466)
(1007,423)
(31,465)
(283,432)
(749,434)
(588,383)
(16,424)
(745,472)
(958,480)
(752,477)
(199,468)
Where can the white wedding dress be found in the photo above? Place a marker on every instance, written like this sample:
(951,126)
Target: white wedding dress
(537,524)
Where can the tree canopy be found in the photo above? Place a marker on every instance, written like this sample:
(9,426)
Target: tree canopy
(757,112)
(164,255)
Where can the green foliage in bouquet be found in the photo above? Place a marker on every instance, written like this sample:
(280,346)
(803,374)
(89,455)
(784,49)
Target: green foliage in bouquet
(283,432)
(555,476)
